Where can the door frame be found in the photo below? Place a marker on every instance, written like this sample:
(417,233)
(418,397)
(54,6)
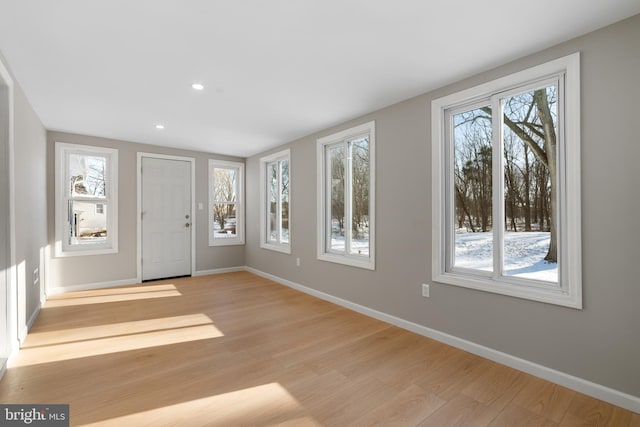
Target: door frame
(192,161)
(13,310)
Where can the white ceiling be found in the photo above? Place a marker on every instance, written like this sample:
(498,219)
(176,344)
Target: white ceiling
(273,70)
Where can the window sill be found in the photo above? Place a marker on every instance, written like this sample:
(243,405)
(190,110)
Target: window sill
(547,293)
(82,252)
(234,242)
(367,264)
(285,249)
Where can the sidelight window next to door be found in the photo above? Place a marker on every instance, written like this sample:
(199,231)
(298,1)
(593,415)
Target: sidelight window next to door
(226,203)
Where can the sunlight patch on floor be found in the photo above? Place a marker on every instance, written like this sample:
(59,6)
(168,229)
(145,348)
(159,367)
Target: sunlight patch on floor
(260,405)
(67,336)
(101,296)
(115,291)
(157,334)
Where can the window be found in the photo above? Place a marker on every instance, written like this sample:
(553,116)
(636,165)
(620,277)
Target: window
(226,206)
(346,193)
(506,185)
(86,200)
(275,198)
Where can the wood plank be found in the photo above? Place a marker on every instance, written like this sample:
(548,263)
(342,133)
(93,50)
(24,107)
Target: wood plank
(544,398)
(461,411)
(496,386)
(593,412)
(516,416)
(407,408)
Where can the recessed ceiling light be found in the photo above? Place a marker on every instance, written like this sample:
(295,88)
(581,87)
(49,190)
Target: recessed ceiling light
(197,86)
(159,126)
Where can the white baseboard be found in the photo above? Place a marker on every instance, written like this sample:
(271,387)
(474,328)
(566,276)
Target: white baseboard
(25,330)
(3,367)
(589,388)
(90,286)
(133,281)
(218,271)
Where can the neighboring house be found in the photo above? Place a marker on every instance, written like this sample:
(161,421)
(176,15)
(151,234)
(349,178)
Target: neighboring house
(89,221)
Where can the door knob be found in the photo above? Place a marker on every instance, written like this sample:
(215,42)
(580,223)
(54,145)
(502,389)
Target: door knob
(187,225)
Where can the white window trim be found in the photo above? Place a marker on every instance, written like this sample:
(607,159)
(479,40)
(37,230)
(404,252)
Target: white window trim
(239,239)
(323,221)
(264,242)
(569,291)
(61,223)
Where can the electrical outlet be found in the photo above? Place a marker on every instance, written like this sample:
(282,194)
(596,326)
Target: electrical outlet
(297,262)
(425,290)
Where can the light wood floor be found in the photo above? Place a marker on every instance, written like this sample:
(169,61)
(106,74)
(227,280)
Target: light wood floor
(238,350)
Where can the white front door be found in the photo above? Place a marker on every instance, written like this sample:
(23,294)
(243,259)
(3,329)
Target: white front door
(166,218)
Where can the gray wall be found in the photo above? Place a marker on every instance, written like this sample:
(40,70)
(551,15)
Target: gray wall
(83,270)
(599,343)
(5,201)
(29,145)
(30,205)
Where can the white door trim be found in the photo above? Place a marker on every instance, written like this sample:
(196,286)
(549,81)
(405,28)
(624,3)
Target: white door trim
(192,161)
(13,309)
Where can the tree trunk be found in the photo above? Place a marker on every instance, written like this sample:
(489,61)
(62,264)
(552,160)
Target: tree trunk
(542,105)
(527,190)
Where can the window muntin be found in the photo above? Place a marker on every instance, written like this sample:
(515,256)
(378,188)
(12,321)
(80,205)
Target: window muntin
(86,200)
(346,197)
(507,153)
(226,207)
(275,197)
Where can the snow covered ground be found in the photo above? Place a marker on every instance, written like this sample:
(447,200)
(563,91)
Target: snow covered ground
(358,246)
(524,254)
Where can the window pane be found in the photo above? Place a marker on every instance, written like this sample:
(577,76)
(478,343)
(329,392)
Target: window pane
(284,165)
(87,175)
(360,196)
(529,135)
(336,188)
(224,216)
(225,184)
(272,182)
(473,218)
(86,224)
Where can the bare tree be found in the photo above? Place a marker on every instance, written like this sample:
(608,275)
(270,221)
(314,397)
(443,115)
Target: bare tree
(360,186)
(537,130)
(530,120)
(224,195)
(337,186)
